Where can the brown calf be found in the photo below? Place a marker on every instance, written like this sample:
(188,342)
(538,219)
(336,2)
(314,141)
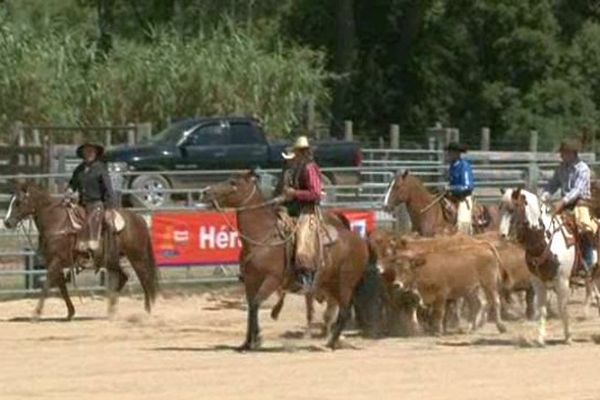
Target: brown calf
(439,276)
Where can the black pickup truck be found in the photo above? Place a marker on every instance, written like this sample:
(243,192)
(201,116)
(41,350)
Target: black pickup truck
(210,144)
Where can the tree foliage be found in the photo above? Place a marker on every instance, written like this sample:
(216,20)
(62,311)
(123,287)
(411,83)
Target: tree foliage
(511,65)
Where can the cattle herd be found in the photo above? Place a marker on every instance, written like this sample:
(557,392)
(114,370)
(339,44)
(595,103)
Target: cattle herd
(431,285)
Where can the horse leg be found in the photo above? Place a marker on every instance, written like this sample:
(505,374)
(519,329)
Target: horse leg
(328,316)
(146,279)
(266,288)
(276,310)
(345,304)
(562,293)
(53,275)
(588,298)
(530,303)
(541,303)
(62,286)
(310,310)
(116,281)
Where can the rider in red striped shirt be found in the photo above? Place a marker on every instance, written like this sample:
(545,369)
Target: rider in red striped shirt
(303,199)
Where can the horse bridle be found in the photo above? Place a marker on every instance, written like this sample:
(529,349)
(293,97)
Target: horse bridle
(244,207)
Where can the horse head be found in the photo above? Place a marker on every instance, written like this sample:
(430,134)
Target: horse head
(22,203)
(398,191)
(519,208)
(236,191)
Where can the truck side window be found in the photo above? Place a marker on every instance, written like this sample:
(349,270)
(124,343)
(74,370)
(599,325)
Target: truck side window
(208,135)
(244,133)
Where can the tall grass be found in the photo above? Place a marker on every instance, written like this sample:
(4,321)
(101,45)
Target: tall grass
(53,78)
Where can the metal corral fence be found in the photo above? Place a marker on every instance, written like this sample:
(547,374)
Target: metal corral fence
(21,272)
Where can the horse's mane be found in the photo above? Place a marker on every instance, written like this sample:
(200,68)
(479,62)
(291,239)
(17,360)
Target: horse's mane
(40,194)
(415,183)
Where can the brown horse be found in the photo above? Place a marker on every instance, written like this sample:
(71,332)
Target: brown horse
(57,239)
(263,260)
(425,209)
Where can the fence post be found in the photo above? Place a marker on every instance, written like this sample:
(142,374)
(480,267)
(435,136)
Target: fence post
(431,147)
(18,139)
(108,138)
(48,161)
(455,135)
(310,117)
(131,139)
(533,170)
(485,139)
(381,142)
(348,131)
(29,269)
(394,136)
(144,130)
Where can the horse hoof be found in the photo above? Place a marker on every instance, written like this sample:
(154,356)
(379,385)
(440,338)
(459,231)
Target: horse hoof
(250,346)
(502,328)
(244,347)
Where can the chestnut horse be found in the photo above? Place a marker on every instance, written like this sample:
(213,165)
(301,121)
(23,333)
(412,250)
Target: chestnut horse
(263,262)
(425,208)
(57,239)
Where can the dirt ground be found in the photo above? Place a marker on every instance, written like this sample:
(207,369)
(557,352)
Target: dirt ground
(184,350)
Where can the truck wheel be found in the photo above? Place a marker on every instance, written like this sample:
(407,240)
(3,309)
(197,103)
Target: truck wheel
(149,191)
(330,191)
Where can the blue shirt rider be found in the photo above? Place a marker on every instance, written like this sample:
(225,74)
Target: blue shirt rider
(460,186)
(460,172)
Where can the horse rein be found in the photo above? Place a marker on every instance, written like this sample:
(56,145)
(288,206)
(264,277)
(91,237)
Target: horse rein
(244,207)
(435,200)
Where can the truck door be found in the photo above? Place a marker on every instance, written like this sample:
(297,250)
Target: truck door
(247,147)
(204,149)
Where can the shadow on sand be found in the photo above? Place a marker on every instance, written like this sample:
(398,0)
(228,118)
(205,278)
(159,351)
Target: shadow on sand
(54,319)
(236,349)
(511,342)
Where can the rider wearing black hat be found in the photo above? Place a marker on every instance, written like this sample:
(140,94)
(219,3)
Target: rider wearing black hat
(92,181)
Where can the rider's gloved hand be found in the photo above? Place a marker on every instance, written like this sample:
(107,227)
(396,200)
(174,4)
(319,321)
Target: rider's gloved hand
(109,216)
(545,197)
(69,197)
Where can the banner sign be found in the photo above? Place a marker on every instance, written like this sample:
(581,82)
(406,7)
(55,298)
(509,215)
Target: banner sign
(211,238)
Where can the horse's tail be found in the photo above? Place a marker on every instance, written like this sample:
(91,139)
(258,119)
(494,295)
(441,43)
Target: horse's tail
(145,264)
(368,297)
(345,221)
(152,274)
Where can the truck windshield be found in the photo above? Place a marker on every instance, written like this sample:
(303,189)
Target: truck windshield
(173,133)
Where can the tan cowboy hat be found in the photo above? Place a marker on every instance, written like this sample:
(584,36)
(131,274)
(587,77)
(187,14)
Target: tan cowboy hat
(98,147)
(300,143)
(570,145)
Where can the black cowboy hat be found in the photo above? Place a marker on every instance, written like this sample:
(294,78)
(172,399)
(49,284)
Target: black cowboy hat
(99,149)
(455,146)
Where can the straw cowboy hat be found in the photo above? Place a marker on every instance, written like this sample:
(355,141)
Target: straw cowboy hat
(301,143)
(98,147)
(457,147)
(570,145)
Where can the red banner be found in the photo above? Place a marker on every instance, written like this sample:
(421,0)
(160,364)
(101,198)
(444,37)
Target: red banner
(210,238)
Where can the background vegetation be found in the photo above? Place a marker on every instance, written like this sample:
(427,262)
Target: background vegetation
(512,65)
